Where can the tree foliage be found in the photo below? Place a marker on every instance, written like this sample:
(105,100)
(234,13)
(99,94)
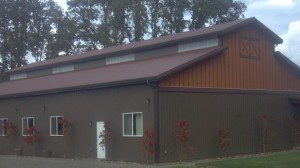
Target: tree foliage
(148,142)
(224,140)
(183,136)
(40,29)
(267,131)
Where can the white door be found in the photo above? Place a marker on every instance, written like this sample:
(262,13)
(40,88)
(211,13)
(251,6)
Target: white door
(100,150)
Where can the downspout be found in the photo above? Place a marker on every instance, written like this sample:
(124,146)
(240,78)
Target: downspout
(154,85)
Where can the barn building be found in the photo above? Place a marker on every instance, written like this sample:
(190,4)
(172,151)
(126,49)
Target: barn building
(219,77)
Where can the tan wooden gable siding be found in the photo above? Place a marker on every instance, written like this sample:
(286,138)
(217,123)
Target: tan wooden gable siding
(232,71)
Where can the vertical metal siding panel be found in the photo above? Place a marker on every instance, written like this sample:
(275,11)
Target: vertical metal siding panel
(268,64)
(252,79)
(201,75)
(247,63)
(271,69)
(195,79)
(274,68)
(191,79)
(231,60)
(238,64)
(226,60)
(186,77)
(263,75)
(234,60)
(215,73)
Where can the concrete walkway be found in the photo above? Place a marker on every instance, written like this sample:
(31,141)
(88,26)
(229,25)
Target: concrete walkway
(39,162)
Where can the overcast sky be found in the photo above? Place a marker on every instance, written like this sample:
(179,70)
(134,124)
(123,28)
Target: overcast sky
(281,16)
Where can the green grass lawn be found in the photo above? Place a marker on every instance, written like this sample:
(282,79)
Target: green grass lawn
(276,160)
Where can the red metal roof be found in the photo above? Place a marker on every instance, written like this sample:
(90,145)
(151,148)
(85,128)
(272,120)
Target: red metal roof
(220,29)
(150,69)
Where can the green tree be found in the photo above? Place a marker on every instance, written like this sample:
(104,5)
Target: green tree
(154,15)
(138,19)
(19,16)
(63,41)
(40,28)
(86,15)
(105,24)
(27,27)
(215,12)
(120,16)
(173,18)
(43,28)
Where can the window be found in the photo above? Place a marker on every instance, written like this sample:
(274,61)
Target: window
(18,76)
(132,124)
(27,122)
(56,128)
(62,69)
(2,129)
(249,48)
(124,58)
(198,45)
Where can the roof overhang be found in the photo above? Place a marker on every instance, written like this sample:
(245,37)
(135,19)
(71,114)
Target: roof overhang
(253,21)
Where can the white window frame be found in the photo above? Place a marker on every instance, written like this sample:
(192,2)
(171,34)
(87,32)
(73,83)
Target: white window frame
(119,59)
(196,45)
(56,126)
(2,133)
(62,69)
(18,76)
(27,123)
(123,126)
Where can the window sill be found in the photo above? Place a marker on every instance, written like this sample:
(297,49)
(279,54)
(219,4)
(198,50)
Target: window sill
(137,136)
(56,135)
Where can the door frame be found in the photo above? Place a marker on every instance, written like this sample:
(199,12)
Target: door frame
(101,152)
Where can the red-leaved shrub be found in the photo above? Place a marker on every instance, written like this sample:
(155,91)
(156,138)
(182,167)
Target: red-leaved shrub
(105,135)
(224,140)
(66,126)
(182,138)
(148,142)
(31,136)
(9,129)
(266,129)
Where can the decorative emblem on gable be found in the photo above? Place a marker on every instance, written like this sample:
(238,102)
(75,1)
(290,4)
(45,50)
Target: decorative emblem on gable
(249,48)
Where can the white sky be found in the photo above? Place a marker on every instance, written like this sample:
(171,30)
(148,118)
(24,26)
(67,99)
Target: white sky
(282,16)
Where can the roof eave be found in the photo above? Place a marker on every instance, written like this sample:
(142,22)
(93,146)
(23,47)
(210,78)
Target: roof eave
(138,81)
(276,39)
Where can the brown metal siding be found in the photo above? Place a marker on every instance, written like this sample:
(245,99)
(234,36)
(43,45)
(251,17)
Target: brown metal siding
(297,136)
(231,71)
(209,112)
(80,108)
(297,128)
